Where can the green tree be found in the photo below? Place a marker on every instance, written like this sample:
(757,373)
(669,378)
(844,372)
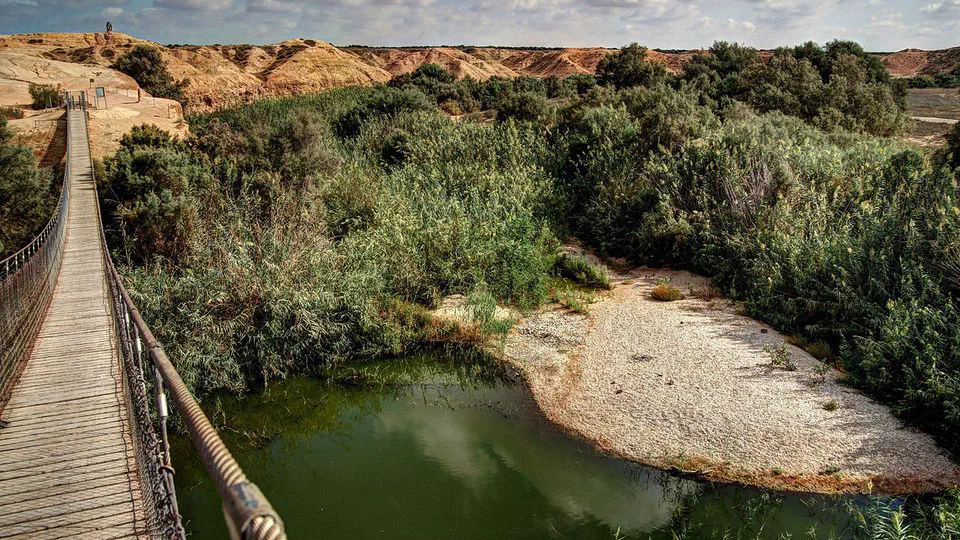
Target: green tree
(720,71)
(853,102)
(815,54)
(25,199)
(145,64)
(875,70)
(434,72)
(630,67)
(383,102)
(150,195)
(784,84)
(523,106)
(953,146)
(45,96)
(581,82)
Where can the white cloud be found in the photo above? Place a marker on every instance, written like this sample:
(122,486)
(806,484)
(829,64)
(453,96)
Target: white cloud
(877,24)
(741,26)
(273,6)
(194,5)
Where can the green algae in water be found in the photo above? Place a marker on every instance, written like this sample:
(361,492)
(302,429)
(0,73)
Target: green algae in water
(426,447)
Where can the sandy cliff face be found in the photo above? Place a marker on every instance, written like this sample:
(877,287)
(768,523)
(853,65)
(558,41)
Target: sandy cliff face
(913,62)
(461,63)
(306,66)
(485,62)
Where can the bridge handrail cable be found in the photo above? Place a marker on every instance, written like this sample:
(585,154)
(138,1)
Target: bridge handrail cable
(149,372)
(28,278)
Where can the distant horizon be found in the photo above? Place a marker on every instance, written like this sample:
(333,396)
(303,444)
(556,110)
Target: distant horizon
(464,45)
(878,25)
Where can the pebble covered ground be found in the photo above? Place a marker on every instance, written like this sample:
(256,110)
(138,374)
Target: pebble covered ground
(691,385)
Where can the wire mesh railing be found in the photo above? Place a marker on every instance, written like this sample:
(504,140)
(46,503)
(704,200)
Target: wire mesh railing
(27,281)
(149,378)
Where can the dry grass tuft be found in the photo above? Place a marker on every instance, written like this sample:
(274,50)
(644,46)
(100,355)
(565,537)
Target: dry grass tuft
(665,292)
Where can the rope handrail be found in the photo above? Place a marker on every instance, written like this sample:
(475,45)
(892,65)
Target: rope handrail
(247,511)
(28,278)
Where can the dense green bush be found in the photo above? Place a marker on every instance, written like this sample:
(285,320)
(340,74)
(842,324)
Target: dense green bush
(11,113)
(948,80)
(45,96)
(150,190)
(629,67)
(526,106)
(145,64)
(838,86)
(308,231)
(921,81)
(525,96)
(953,146)
(26,198)
(297,244)
(382,102)
(945,79)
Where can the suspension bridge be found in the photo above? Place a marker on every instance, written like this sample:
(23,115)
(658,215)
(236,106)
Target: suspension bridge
(86,390)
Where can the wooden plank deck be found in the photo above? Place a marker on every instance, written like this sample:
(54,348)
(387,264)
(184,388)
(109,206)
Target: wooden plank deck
(67,464)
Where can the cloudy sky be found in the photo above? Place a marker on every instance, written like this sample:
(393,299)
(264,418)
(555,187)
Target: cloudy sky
(877,24)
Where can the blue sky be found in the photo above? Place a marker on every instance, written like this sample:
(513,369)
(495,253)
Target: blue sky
(877,24)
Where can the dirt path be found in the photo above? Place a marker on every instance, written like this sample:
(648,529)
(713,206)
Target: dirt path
(935,120)
(691,385)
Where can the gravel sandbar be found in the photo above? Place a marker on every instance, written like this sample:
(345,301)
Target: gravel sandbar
(690,385)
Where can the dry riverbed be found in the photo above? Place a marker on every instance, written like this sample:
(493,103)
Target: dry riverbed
(691,385)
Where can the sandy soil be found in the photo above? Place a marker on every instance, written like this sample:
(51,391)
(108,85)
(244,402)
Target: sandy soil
(691,385)
(44,131)
(123,112)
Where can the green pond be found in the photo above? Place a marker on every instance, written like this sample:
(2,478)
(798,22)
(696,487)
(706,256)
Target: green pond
(428,447)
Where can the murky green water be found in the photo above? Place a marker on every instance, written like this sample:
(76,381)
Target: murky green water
(424,449)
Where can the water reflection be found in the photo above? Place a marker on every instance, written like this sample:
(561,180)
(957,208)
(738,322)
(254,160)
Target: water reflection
(429,449)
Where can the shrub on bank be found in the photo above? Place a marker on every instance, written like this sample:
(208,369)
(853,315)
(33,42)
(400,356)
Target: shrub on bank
(45,96)
(146,65)
(11,113)
(295,244)
(26,194)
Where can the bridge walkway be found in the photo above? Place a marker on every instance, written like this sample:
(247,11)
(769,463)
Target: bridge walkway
(67,462)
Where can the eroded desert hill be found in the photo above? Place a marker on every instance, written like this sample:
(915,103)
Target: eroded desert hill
(219,75)
(913,62)
(222,75)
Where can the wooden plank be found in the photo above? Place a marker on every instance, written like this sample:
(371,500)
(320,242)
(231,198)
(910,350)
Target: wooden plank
(59,447)
(83,521)
(87,500)
(53,492)
(74,431)
(30,486)
(113,456)
(25,418)
(56,420)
